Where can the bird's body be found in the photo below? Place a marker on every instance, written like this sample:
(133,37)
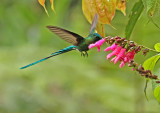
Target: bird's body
(83,46)
(79,43)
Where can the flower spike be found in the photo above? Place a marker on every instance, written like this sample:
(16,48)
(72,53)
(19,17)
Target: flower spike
(124,51)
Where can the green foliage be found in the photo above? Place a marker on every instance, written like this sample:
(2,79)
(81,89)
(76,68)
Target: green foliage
(157,47)
(151,62)
(153,11)
(157,91)
(149,4)
(134,15)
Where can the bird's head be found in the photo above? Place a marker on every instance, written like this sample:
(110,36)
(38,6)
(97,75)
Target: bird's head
(96,37)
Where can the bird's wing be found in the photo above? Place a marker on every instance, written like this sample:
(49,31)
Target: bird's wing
(66,35)
(94,23)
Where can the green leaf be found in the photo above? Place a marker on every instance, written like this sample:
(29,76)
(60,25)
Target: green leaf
(145,89)
(157,93)
(134,15)
(157,47)
(148,4)
(151,62)
(153,11)
(156,90)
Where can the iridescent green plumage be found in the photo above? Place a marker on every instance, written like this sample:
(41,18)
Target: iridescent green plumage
(79,43)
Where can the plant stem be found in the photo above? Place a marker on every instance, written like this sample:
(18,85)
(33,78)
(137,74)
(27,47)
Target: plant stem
(150,49)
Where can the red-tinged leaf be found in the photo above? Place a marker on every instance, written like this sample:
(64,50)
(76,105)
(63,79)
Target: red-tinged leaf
(52,6)
(106,10)
(42,2)
(121,5)
(89,9)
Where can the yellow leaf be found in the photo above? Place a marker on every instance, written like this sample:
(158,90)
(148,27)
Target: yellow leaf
(89,9)
(42,2)
(121,5)
(104,8)
(52,6)
(100,29)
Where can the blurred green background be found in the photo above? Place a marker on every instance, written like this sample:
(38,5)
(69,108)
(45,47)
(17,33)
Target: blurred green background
(67,83)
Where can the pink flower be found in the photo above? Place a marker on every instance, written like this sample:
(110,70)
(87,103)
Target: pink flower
(112,47)
(122,64)
(115,52)
(98,44)
(133,69)
(91,46)
(129,56)
(113,59)
(125,59)
(120,54)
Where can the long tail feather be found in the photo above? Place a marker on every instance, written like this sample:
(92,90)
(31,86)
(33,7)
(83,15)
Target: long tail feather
(53,54)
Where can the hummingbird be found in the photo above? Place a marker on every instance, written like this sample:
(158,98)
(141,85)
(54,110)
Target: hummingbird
(78,42)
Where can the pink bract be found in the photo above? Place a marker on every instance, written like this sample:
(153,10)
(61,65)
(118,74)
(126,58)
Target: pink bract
(91,46)
(115,52)
(120,53)
(98,44)
(112,47)
(122,64)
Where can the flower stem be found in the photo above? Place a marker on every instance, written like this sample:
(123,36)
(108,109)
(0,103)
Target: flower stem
(150,49)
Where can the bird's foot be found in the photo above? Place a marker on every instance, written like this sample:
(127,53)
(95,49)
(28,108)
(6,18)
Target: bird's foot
(84,53)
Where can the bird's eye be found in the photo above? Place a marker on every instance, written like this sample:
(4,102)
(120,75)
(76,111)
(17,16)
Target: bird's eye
(97,38)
